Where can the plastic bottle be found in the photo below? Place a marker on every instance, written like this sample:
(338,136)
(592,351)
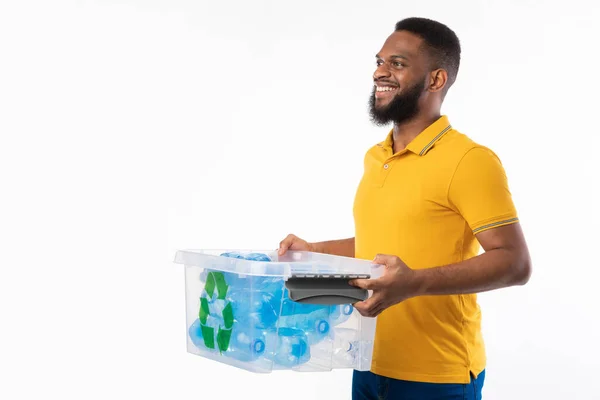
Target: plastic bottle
(244,344)
(195,334)
(316,330)
(248,256)
(253,308)
(253,299)
(290,307)
(236,281)
(314,324)
(241,281)
(257,257)
(316,320)
(340,313)
(230,278)
(269,284)
(232,254)
(287,347)
(272,284)
(346,347)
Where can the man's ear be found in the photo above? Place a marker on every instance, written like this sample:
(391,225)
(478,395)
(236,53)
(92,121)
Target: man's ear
(437,80)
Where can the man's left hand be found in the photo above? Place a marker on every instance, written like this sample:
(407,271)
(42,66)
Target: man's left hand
(397,283)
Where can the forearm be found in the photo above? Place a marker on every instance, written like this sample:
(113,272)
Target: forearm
(491,270)
(341,247)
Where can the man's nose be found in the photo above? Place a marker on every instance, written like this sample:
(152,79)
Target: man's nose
(382,71)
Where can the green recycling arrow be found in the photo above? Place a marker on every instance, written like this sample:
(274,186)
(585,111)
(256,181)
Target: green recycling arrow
(228,316)
(216,280)
(208,333)
(204,312)
(221,285)
(223,338)
(209,288)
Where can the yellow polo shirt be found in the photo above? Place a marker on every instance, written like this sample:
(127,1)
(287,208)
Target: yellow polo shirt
(425,204)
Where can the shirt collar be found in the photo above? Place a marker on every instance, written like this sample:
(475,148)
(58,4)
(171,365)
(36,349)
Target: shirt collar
(425,140)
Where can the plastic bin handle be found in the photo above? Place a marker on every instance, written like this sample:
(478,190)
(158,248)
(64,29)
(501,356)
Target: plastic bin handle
(327,291)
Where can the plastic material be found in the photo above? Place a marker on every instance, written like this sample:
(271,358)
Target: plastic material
(324,291)
(260,312)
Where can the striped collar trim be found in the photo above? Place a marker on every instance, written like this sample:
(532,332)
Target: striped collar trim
(424,141)
(427,139)
(435,139)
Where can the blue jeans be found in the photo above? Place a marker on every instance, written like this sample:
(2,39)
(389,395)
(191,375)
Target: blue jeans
(368,386)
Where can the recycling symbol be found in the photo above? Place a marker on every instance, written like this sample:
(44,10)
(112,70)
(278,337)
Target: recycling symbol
(215,280)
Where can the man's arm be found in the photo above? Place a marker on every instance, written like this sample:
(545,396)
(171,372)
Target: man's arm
(341,247)
(505,262)
(480,193)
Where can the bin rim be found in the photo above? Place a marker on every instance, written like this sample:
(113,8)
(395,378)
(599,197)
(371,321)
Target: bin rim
(292,262)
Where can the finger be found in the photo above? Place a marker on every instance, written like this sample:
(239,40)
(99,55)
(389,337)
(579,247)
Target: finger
(367,307)
(361,305)
(374,309)
(385,259)
(368,284)
(285,244)
(361,308)
(367,311)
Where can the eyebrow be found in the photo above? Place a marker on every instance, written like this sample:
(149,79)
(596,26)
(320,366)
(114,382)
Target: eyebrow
(394,56)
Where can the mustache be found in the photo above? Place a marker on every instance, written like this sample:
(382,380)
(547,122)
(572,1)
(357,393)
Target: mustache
(384,82)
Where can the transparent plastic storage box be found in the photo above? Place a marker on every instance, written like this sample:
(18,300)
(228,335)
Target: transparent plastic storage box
(260,312)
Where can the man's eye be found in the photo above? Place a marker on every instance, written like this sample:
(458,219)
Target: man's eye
(378,62)
(398,64)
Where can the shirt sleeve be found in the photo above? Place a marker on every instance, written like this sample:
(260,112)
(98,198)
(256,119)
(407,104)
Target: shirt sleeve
(479,191)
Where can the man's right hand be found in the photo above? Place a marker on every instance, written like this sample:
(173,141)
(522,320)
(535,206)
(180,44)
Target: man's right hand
(293,242)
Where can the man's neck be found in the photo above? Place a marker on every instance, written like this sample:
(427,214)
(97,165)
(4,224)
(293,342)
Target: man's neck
(405,132)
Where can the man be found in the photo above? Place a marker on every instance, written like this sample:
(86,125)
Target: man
(429,197)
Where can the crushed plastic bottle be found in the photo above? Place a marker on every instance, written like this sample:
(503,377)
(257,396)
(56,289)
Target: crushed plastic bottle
(245,281)
(288,347)
(315,324)
(346,347)
(257,257)
(254,308)
(244,344)
(340,314)
(290,307)
(249,256)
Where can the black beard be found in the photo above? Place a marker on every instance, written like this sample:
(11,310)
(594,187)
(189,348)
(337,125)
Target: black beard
(402,108)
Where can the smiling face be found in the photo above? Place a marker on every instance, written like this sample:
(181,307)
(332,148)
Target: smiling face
(399,80)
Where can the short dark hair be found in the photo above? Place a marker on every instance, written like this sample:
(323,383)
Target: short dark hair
(442,43)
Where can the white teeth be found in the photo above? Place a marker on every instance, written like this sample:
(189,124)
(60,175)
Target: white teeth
(385,88)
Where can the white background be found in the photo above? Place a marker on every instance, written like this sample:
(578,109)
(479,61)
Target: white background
(131,129)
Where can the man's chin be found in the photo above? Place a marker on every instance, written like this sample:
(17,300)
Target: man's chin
(379,120)
(379,111)
(381,104)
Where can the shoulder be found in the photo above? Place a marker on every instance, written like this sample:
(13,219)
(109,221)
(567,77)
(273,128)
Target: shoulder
(461,149)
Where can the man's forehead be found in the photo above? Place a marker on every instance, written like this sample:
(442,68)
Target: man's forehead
(401,43)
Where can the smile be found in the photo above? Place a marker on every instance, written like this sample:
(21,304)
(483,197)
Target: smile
(385,88)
